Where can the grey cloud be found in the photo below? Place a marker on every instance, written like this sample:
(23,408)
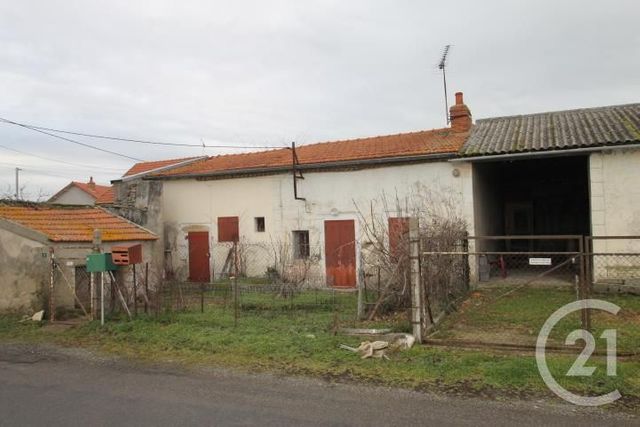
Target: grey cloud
(252,72)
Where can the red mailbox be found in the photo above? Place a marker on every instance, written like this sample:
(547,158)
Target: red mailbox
(127,254)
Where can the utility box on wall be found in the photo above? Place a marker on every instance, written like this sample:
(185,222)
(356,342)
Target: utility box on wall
(100,262)
(127,254)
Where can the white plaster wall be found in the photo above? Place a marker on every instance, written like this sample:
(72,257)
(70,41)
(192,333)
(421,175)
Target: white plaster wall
(615,209)
(615,192)
(74,196)
(196,205)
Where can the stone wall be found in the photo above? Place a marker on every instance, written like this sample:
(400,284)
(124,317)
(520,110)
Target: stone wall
(24,273)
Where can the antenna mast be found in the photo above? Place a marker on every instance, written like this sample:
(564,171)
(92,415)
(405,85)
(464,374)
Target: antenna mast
(442,65)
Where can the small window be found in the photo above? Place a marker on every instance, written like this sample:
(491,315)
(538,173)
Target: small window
(259,224)
(301,244)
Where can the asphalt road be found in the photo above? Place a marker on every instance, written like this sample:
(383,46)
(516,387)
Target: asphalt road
(52,386)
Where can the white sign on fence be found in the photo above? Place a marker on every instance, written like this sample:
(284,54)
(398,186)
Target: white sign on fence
(539,261)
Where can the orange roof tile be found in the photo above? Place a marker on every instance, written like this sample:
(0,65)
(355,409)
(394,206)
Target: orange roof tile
(92,189)
(73,224)
(149,166)
(106,197)
(437,141)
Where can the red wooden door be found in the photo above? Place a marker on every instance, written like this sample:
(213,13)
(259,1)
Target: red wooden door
(198,256)
(399,238)
(340,252)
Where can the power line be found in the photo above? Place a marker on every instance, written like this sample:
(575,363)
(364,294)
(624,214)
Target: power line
(86,166)
(73,141)
(32,171)
(143,141)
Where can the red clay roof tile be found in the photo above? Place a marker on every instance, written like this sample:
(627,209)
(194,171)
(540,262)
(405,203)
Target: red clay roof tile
(92,189)
(74,224)
(96,191)
(106,197)
(437,141)
(149,166)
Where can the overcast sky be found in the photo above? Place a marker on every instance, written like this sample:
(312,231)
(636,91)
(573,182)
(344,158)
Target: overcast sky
(271,72)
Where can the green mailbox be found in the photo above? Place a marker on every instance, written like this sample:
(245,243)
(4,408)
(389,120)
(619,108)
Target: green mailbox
(100,262)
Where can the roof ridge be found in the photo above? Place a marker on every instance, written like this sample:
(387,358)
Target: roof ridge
(377,136)
(313,144)
(168,160)
(571,110)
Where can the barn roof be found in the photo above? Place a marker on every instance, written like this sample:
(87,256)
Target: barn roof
(558,130)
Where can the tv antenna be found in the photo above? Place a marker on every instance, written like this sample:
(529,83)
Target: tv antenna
(441,66)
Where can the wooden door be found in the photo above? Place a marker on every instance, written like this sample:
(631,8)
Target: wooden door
(399,239)
(198,256)
(340,252)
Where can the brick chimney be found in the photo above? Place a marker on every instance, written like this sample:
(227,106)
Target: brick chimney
(93,184)
(460,115)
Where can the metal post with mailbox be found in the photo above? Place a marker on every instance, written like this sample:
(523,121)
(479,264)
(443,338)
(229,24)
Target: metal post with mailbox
(100,263)
(125,255)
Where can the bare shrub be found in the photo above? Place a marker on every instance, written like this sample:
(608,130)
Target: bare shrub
(385,246)
(289,273)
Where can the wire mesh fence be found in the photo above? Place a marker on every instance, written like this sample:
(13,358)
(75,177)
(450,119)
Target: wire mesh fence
(262,281)
(258,282)
(282,262)
(510,264)
(527,260)
(234,301)
(613,263)
(444,269)
(517,282)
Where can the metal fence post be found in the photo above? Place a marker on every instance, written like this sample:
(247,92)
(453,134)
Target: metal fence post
(235,284)
(361,290)
(414,265)
(201,297)
(584,286)
(92,291)
(52,304)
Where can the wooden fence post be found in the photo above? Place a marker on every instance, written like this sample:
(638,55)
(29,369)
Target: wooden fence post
(414,269)
(135,292)
(146,287)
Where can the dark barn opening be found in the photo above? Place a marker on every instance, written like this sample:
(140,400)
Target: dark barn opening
(542,196)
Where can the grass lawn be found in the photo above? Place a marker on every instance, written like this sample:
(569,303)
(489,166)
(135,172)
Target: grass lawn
(517,317)
(299,339)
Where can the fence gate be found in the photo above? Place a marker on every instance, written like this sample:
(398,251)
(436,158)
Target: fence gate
(451,268)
